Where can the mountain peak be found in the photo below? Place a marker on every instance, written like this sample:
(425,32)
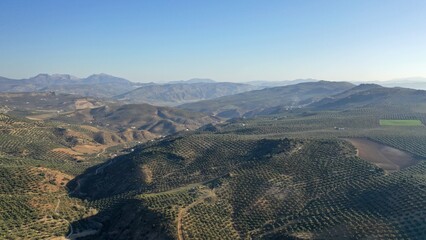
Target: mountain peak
(55,77)
(200,80)
(104,78)
(100,75)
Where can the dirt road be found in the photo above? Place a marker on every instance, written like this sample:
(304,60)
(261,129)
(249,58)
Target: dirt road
(206,193)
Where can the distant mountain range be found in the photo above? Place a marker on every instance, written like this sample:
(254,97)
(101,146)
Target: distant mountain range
(372,95)
(413,82)
(188,93)
(44,80)
(97,85)
(311,96)
(193,80)
(110,87)
(255,102)
(266,84)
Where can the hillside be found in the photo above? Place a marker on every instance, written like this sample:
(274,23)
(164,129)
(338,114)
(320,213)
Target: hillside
(304,174)
(300,174)
(372,95)
(61,143)
(37,160)
(131,122)
(179,93)
(139,117)
(243,183)
(48,102)
(292,96)
(265,84)
(222,120)
(100,90)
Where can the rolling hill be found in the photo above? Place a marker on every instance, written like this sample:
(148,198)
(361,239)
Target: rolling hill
(137,122)
(262,178)
(110,87)
(47,102)
(372,95)
(139,117)
(327,169)
(294,175)
(179,93)
(37,160)
(249,103)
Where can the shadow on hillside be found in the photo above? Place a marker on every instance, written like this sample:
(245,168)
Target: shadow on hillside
(122,216)
(115,176)
(126,219)
(113,185)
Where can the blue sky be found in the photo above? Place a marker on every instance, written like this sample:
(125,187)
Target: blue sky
(223,40)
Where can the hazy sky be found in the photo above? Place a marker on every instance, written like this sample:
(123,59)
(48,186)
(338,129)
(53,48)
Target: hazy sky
(224,40)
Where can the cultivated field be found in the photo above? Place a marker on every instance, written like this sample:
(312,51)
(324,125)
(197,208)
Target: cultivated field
(285,176)
(388,122)
(388,158)
(277,177)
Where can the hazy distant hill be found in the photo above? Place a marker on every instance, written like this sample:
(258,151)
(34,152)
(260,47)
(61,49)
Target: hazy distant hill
(7,83)
(97,85)
(193,80)
(103,90)
(372,95)
(292,96)
(265,83)
(179,93)
(414,82)
(50,101)
(104,78)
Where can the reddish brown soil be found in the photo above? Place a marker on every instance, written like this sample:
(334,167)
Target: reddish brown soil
(388,158)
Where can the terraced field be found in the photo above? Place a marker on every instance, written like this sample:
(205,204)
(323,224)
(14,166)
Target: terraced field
(34,199)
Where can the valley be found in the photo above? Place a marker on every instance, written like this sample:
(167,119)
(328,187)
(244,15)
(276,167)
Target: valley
(322,165)
(213,120)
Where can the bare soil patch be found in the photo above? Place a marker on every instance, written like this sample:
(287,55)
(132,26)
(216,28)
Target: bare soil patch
(42,116)
(147,174)
(53,180)
(388,158)
(76,155)
(88,149)
(67,151)
(90,128)
(83,104)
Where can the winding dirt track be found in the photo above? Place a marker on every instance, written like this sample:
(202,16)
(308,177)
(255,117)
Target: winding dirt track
(388,158)
(207,193)
(57,206)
